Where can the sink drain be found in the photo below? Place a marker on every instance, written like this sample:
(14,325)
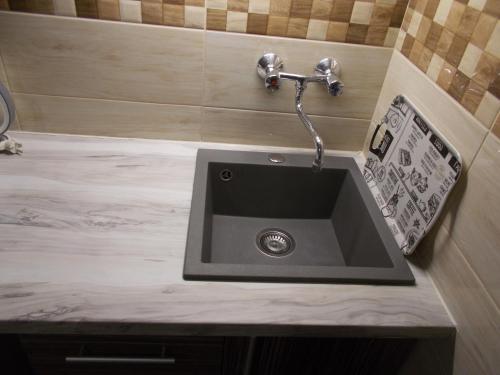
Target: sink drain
(275,242)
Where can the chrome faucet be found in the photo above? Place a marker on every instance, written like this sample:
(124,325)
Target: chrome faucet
(269,68)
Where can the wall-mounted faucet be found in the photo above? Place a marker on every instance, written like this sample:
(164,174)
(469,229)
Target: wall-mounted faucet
(270,69)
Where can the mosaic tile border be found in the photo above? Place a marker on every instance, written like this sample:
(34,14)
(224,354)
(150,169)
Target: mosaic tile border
(457,44)
(369,22)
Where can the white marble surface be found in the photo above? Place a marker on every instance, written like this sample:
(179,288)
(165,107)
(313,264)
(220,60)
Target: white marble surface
(92,237)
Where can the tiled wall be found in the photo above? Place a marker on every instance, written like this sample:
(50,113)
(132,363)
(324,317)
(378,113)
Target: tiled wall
(372,22)
(457,44)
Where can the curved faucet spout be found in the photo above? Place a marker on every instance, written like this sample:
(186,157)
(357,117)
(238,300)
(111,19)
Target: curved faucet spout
(300,87)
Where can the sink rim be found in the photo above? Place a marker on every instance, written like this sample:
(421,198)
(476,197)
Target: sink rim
(196,269)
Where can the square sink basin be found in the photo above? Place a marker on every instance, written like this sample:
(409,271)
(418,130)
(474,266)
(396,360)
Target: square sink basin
(255,220)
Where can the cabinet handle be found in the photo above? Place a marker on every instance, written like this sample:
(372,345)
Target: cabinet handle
(121,360)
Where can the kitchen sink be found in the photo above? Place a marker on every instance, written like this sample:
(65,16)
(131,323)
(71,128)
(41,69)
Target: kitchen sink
(253,219)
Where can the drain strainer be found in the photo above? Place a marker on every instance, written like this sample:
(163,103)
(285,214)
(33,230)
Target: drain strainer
(275,242)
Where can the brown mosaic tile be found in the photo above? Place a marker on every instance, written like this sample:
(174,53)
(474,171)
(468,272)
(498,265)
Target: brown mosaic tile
(492,7)
(455,16)
(173,15)
(216,19)
(407,19)
(494,87)
(174,2)
(482,32)
(468,22)
(257,23)
(423,29)
(486,70)
(4,5)
(444,43)
(280,8)
(430,8)
(277,25)
(376,35)
(472,96)
(433,36)
(456,51)
(194,3)
(301,9)
(321,9)
(152,11)
(407,45)
(21,5)
(237,5)
(381,15)
(86,8)
(458,85)
(337,31)
(425,59)
(420,6)
(297,27)
(416,51)
(446,76)
(398,13)
(44,6)
(342,10)
(356,33)
(496,126)
(108,9)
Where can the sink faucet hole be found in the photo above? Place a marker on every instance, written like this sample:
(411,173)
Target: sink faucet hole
(275,242)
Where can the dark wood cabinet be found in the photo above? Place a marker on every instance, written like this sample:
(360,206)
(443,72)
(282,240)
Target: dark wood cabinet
(124,355)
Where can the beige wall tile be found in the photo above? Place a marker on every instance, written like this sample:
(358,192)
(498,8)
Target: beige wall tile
(194,17)
(227,80)
(487,110)
(470,59)
(108,117)
(130,11)
(476,316)
(493,45)
(361,13)
(216,4)
(259,6)
(65,8)
(414,24)
(280,129)
(237,22)
(460,128)
(442,11)
(317,29)
(133,62)
(391,36)
(474,222)
(435,67)
(108,10)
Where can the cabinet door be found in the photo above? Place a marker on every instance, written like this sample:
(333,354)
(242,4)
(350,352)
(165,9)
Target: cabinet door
(124,355)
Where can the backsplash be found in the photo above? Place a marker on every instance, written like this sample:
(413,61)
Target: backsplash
(374,22)
(457,44)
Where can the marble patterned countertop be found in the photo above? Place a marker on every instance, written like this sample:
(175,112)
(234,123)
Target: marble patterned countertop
(92,237)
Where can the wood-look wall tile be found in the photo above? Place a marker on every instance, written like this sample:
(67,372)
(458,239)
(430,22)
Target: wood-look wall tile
(238,5)
(259,6)
(472,96)
(468,22)
(356,34)
(65,8)
(321,9)
(375,35)
(470,60)
(361,13)
(152,11)
(280,8)
(301,9)
(216,19)
(297,27)
(407,45)
(277,25)
(381,15)
(109,10)
(4,5)
(194,17)
(423,29)
(456,51)
(44,6)
(430,8)
(493,45)
(194,3)
(487,69)
(458,85)
(133,62)
(86,8)
(496,127)
(224,81)
(391,36)
(257,23)
(492,7)
(66,115)
(173,15)
(444,43)
(279,129)
(398,14)
(433,36)
(484,27)
(342,10)
(337,31)
(494,86)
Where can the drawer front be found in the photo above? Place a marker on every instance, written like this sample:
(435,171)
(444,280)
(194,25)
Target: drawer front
(124,355)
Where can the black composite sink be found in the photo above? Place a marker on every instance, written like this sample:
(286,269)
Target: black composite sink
(253,220)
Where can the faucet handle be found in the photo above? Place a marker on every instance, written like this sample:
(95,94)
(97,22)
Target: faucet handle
(330,68)
(269,67)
